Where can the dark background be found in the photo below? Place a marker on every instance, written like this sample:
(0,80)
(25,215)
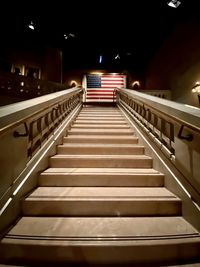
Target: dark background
(133,29)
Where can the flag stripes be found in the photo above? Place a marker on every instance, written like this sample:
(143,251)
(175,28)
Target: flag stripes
(101,88)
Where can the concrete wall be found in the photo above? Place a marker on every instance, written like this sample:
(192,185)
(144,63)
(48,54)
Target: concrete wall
(176,66)
(53,65)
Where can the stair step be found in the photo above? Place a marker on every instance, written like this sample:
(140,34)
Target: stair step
(102,240)
(94,121)
(101,201)
(101,110)
(104,111)
(110,118)
(101,149)
(101,161)
(97,126)
(101,139)
(132,228)
(100,177)
(100,131)
(100,115)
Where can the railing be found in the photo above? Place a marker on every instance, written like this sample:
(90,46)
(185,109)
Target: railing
(173,127)
(40,124)
(25,128)
(166,94)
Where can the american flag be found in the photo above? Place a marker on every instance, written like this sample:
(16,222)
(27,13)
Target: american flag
(105,81)
(100,88)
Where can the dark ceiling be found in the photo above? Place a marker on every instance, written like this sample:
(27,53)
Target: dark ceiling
(133,29)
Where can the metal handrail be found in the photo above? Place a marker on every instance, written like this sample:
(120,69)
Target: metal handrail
(23,120)
(180,121)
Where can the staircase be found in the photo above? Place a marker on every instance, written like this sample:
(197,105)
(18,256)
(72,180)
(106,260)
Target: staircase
(101,202)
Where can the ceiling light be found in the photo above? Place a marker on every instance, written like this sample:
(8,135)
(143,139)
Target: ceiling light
(31,26)
(174,3)
(117,56)
(100,59)
(70,35)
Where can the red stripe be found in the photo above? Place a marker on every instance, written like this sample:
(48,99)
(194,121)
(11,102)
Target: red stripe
(112,76)
(99,91)
(111,95)
(110,86)
(98,97)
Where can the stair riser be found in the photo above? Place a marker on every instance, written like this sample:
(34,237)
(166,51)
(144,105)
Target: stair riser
(100,113)
(113,119)
(69,252)
(74,139)
(97,126)
(100,150)
(101,180)
(99,132)
(88,122)
(99,163)
(102,207)
(85,115)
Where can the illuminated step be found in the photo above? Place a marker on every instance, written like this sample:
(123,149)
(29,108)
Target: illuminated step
(101,201)
(101,139)
(100,161)
(101,177)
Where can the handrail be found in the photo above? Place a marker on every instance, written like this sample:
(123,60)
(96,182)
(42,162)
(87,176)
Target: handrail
(23,120)
(182,122)
(165,131)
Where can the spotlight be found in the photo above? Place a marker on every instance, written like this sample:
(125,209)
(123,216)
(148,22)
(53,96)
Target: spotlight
(100,59)
(174,3)
(70,35)
(117,56)
(31,26)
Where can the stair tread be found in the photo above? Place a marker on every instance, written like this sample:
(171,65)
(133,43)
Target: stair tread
(101,117)
(119,122)
(146,193)
(100,228)
(113,126)
(121,171)
(100,145)
(101,131)
(120,136)
(57,156)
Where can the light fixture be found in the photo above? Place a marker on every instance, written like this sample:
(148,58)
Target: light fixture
(117,56)
(136,85)
(100,59)
(96,73)
(174,3)
(70,35)
(73,83)
(196,88)
(31,26)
